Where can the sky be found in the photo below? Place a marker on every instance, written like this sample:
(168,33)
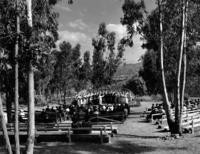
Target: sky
(78,23)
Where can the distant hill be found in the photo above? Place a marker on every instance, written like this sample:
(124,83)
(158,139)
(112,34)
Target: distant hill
(126,71)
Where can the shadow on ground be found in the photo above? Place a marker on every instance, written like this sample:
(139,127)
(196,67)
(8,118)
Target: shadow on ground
(120,147)
(137,136)
(143,121)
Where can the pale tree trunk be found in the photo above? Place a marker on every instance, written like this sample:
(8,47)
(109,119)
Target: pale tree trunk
(184,53)
(178,103)
(184,57)
(9,106)
(166,98)
(31,111)
(31,105)
(17,142)
(5,132)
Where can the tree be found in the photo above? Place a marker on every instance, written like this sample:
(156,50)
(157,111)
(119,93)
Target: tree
(76,66)
(43,76)
(166,100)
(40,38)
(104,66)
(169,22)
(67,68)
(150,72)
(7,43)
(35,41)
(98,62)
(17,142)
(85,70)
(136,85)
(3,124)
(150,30)
(31,104)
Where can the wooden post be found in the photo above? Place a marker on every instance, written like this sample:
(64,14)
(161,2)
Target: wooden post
(111,129)
(101,136)
(36,136)
(192,126)
(69,135)
(57,124)
(104,127)
(152,118)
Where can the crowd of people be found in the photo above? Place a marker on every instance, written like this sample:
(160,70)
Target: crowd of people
(192,103)
(189,104)
(84,112)
(102,97)
(58,113)
(155,109)
(83,107)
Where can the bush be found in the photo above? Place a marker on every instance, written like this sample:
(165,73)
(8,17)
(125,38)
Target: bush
(136,85)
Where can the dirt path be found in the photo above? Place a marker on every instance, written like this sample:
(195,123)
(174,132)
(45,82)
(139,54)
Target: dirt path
(134,136)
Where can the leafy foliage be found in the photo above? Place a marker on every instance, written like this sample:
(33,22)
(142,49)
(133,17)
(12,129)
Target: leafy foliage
(171,23)
(136,85)
(133,14)
(105,60)
(35,44)
(150,72)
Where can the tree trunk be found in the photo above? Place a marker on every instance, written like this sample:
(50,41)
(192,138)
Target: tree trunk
(178,103)
(60,96)
(64,96)
(31,105)
(5,132)
(31,111)
(9,106)
(17,142)
(166,98)
(184,58)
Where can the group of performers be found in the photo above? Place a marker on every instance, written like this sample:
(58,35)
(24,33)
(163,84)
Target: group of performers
(104,97)
(101,103)
(92,103)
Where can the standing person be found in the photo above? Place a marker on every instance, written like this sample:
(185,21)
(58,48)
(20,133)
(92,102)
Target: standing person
(84,101)
(126,99)
(67,112)
(21,115)
(79,101)
(60,113)
(47,109)
(100,99)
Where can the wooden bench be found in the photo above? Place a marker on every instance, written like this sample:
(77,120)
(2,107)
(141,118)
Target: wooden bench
(153,119)
(100,135)
(41,126)
(192,124)
(184,116)
(108,127)
(189,121)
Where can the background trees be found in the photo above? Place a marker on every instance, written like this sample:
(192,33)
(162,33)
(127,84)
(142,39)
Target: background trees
(105,59)
(165,33)
(137,85)
(171,31)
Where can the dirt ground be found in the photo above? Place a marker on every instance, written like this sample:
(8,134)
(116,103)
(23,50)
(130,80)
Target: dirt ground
(134,136)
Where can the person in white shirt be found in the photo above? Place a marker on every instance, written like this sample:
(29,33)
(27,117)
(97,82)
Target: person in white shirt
(100,99)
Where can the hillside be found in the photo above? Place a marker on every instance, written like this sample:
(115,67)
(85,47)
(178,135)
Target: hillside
(126,71)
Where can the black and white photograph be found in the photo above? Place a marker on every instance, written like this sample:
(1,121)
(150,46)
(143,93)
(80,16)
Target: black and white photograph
(99,76)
